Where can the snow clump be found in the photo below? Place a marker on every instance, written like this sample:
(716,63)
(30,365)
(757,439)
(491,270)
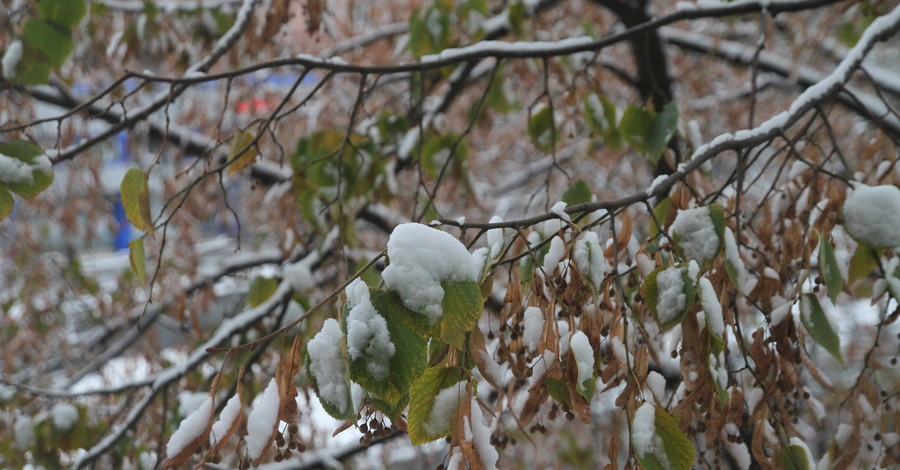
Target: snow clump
(872,215)
(420,259)
(584,356)
(672,299)
(368,337)
(262,420)
(590,259)
(445,404)
(11,59)
(15,171)
(192,427)
(327,366)
(65,416)
(643,434)
(695,234)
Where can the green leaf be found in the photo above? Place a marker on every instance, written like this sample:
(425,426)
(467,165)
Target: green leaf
(580,193)
(717,214)
(406,365)
(829,268)
(6,203)
(462,305)
(651,295)
(52,40)
(595,114)
(794,457)
(136,257)
(861,263)
(677,450)
(67,13)
(661,131)
(32,156)
(817,324)
(421,401)
(239,157)
(542,129)
(635,127)
(559,390)
(438,150)
(136,199)
(261,288)
(661,216)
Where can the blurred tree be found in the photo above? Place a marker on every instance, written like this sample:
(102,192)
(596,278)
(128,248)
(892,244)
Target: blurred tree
(604,233)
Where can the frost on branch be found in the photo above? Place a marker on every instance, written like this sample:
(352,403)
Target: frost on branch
(420,259)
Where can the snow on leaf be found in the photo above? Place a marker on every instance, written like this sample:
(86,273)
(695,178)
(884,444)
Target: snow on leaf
(584,360)
(872,215)
(734,265)
(24,168)
(326,367)
(479,434)
(533,323)
(190,434)
(669,292)
(657,442)
(420,258)
(65,416)
(828,266)
(590,259)
(816,322)
(228,422)
(434,399)
(368,338)
(554,255)
(695,235)
(262,422)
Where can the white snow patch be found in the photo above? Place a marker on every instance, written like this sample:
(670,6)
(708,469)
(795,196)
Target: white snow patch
(368,337)
(495,237)
(480,435)
(226,419)
(671,299)
(15,171)
(327,366)
(23,430)
(560,210)
(590,259)
(872,215)
(445,404)
(533,328)
(643,434)
(190,428)
(657,385)
(733,257)
(711,306)
(65,416)
(695,234)
(584,356)
(554,254)
(262,421)
(420,258)
(11,59)
(299,276)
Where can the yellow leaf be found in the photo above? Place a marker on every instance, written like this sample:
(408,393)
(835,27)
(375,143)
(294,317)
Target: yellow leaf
(136,199)
(242,152)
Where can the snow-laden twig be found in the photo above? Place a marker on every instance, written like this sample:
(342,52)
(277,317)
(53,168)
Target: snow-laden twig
(866,104)
(226,330)
(882,28)
(222,46)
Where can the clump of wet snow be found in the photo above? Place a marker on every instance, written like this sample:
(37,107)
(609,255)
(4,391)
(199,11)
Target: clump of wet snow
(590,259)
(445,404)
(368,337)
(327,366)
(872,215)
(671,298)
(420,259)
(192,427)
(695,234)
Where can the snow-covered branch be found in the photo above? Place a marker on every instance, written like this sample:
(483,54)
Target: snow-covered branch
(880,29)
(866,104)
